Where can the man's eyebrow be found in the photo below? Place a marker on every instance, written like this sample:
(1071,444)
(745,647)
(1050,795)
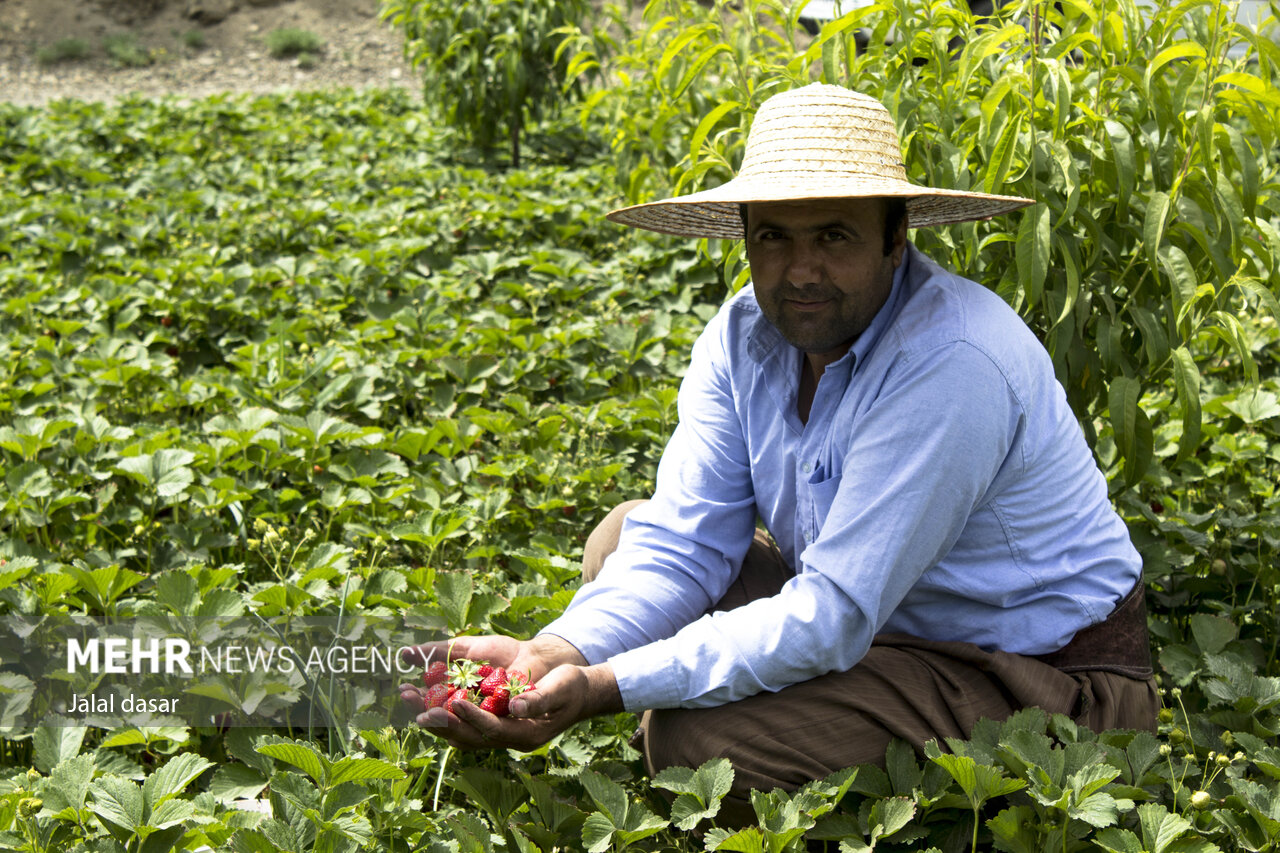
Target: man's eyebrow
(833,225)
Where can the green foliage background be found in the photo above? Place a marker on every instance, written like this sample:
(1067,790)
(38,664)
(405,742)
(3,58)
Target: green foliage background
(1150,152)
(314,361)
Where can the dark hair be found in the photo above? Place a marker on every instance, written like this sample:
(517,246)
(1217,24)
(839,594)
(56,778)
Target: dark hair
(895,210)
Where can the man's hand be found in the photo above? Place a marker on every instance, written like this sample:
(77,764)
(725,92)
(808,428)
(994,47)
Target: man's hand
(534,658)
(566,695)
(567,691)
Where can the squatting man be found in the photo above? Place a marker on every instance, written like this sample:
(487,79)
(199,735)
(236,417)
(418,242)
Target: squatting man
(937,544)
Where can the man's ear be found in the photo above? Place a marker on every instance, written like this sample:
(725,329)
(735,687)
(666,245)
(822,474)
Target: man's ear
(899,243)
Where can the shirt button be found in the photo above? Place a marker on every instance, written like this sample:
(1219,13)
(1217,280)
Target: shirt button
(807,467)
(807,538)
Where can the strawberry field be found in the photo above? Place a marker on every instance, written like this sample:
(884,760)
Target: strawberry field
(314,371)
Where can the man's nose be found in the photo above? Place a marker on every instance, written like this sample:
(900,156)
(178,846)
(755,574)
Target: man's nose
(803,265)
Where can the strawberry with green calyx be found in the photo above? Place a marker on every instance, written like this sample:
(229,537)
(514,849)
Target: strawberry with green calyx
(464,673)
(519,682)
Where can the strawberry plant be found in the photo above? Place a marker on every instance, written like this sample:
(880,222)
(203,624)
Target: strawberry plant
(297,373)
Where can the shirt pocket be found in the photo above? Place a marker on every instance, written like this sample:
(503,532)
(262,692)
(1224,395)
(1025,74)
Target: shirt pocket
(823,488)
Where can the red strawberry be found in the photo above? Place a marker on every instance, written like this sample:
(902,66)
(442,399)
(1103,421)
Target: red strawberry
(435,674)
(437,695)
(485,670)
(497,678)
(496,703)
(454,696)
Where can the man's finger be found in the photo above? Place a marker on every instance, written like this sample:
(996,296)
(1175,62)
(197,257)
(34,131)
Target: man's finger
(486,725)
(434,718)
(520,708)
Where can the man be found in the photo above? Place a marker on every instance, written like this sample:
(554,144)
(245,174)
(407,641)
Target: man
(942,547)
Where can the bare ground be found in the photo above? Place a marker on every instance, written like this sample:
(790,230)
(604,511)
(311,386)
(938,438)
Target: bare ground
(359,50)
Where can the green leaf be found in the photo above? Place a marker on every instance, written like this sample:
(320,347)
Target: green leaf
(493,791)
(255,841)
(1154,339)
(749,840)
(1181,50)
(1183,281)
(1212,633)
(597,832)
(1254,406)
(362,769)
(1001,159)
(171,813)
(118,801)
(707,123)
(173,778)
(236,782)
(453,592)
(608,796)
(1186,378)
(304,756)
(68,783)
(1119,841)
(889,816)
(978,782)
(1153,225)
(165,470)
(1160,828)
(1124,160)
(1131,427)
(699,791)
(471,833)
(55,744)
(1032,252)
(1097,810)
(1014,829)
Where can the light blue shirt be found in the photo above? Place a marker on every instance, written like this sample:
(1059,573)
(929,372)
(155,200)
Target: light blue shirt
(941,487)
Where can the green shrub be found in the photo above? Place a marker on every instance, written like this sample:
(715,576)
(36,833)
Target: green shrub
(195,39)
(1150,152)
(123,48)
(63,50)
(291,41)
(494,67)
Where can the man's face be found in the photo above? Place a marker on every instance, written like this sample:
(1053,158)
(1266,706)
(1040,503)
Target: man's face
(820,270)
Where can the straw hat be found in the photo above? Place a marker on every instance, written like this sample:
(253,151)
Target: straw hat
(818,141)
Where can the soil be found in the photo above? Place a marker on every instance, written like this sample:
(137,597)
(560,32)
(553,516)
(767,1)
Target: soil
(197,48)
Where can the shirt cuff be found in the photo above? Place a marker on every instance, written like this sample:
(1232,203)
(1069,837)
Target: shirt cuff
(596,643)
(641,683)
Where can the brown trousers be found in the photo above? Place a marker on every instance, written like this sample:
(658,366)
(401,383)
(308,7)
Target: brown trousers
(905,687)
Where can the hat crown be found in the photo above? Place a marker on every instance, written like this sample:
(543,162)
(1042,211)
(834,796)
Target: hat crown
(823,129)
(815,142)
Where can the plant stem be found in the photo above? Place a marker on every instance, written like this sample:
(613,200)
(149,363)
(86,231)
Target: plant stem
(444,763)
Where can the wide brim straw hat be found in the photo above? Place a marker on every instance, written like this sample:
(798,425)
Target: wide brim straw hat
(815,142)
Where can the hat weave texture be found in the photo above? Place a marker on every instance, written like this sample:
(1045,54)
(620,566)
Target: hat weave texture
(816,142)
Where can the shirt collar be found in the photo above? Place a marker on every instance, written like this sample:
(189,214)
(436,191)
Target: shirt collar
(884,317)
